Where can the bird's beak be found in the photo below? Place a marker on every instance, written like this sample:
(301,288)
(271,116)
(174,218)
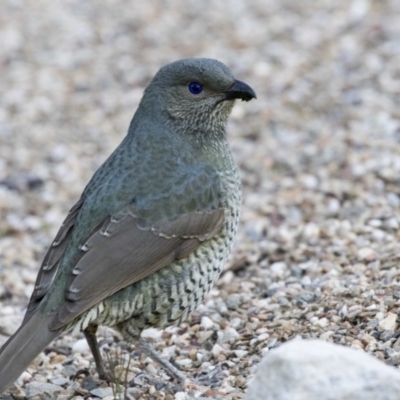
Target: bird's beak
(240,90)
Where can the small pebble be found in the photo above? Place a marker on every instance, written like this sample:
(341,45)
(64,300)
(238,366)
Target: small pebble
(389,322)
(102,392)
(206,323)
(321,323)
(80,346)
(367,254)
(240,353)
(216,350)
(386,335)
(40,388)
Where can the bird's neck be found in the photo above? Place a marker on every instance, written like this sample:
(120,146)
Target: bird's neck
(193,127)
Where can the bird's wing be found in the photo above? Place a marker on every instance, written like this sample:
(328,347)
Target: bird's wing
(120,252)
(52,259)
(126,248)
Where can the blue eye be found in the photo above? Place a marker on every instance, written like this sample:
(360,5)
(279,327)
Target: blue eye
(195,88)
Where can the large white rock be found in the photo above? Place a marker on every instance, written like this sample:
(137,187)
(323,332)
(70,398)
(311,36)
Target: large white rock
(317,370)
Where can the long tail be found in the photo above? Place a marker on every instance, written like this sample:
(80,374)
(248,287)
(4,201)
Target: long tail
(17,353)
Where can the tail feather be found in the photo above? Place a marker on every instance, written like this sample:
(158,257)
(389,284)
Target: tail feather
(21,349)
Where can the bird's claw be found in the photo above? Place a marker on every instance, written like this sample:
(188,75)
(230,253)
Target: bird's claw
(212,378)
(139,380)
(84,372)
(107,376)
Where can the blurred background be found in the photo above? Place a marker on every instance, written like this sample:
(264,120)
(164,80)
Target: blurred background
(318,150)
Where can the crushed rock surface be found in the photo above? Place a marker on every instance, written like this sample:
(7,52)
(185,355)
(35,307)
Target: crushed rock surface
(317,255)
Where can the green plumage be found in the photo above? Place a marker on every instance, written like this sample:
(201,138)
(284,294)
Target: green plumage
(152,230)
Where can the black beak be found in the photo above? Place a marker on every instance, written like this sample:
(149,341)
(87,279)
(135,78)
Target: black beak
(240,90)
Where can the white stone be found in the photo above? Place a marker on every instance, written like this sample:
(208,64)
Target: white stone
(80,346)
(237,323)
(311,230)
(180,396)
(321,323)
(151,333)
(310,181)
(216,350)
(262,337)
(185,362)
(24,377)
(367,254)
(306,369)
(379,315)
(9,324)
(278,269)
(206,323)
(240,353)
(326,335)
(228,335)
(389,322)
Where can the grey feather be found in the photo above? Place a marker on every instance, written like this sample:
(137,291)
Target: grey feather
(121,253)
(21,348)
(52,260)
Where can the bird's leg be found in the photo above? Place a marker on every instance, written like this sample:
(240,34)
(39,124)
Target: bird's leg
(172,371)
(90,335)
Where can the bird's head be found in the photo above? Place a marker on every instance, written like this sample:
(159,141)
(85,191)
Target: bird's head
(196,94)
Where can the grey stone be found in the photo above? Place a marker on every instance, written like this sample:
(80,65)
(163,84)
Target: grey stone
(41,388)
(60,381)
(233,301)
(102,392)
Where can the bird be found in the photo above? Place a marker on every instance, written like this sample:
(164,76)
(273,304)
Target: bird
(152,229)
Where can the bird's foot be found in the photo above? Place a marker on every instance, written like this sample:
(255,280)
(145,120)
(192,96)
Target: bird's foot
(85,372)
(170,369)
(143,376)
(106,375)
(212,378)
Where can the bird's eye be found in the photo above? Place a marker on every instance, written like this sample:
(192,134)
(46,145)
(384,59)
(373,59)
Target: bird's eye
(195,88)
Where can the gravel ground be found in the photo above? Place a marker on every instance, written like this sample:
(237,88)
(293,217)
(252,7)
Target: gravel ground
(317,254)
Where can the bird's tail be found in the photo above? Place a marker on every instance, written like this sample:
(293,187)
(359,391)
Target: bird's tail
(21,348)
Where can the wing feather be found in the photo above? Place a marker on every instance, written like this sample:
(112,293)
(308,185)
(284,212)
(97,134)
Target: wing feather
(52,259)
(123,251)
